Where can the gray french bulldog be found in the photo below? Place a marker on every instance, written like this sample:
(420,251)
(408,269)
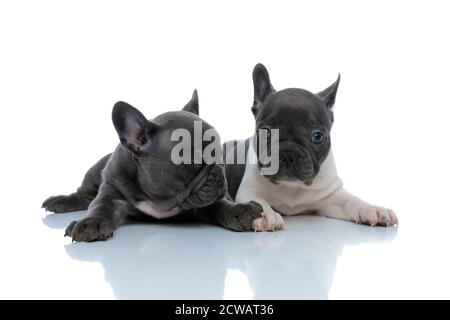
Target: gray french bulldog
(140,179)
(307,180)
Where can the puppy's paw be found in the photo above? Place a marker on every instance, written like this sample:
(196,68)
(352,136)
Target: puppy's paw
(241,216)
(269,221)
(376,216)
(61,204)
(89,229)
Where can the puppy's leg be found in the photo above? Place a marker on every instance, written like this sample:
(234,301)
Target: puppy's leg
(232,216)
(269,220)
(65,203)
(84,195)
(104,215)
(345,206)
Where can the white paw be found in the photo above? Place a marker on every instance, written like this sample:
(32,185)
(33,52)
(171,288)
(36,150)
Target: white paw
(374,215)
(270,221)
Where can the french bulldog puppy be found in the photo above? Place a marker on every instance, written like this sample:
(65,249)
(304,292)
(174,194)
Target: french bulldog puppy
(140,179)
(307,180)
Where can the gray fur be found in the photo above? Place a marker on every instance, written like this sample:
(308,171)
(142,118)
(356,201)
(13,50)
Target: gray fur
(234,171)
(192,105)
(298,114)
(140,169)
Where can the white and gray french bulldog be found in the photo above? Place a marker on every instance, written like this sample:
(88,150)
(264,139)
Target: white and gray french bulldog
(140,179)
(307,180)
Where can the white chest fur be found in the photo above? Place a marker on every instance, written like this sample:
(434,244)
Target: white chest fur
(289,198)
(149,208)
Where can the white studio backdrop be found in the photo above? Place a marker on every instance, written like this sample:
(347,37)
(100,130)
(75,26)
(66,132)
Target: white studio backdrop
(63,64)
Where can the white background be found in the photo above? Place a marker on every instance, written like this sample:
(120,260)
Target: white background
(63,64)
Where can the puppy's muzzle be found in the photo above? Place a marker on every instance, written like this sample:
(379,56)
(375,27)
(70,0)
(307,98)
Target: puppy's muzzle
(206,187)
(290,158)
(295,162)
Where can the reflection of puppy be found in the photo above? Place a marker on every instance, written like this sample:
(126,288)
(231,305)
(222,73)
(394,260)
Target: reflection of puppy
(314,245)
(307,180)
(144,261)
(139,178)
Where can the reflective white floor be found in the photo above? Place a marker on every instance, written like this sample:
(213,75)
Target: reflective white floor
(196,261)
(59,80)
(313,258)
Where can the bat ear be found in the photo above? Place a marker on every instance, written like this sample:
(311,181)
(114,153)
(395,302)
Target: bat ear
(192,105)
(261,85)
(133,128)
(329,94)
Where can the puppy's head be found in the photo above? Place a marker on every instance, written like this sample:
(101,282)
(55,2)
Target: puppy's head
(304,121)
(151,144)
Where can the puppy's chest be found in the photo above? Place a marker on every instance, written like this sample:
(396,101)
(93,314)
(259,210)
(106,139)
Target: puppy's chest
(149,208)
(289,201)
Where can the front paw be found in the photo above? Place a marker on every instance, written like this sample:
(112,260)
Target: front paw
(240,217)
(61,204)
(376,216)
(269,221)
(90,229)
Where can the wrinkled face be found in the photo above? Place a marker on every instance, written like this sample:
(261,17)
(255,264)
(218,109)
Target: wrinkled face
(304,132)
(304,121)
(151,143)
(166,176)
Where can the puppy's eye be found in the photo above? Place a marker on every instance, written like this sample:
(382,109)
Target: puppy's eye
(317,137)
(264,133)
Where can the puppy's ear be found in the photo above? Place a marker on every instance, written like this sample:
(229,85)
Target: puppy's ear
(192,105)
(329,94)
(133,129)
(261,85)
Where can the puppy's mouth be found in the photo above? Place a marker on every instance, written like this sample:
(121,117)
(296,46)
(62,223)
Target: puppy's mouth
(290,179)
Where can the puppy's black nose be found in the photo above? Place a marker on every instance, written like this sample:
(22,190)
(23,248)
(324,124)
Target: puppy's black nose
(291,157)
